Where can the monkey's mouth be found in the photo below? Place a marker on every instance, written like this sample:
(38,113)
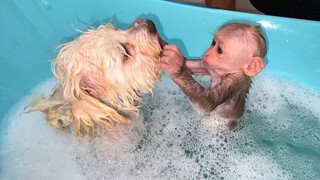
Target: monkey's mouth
(204,63)
(150,26)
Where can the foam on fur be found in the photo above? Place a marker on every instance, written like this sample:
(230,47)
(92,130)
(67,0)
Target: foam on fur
(100,82)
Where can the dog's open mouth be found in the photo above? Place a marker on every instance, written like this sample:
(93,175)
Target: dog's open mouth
(150,26)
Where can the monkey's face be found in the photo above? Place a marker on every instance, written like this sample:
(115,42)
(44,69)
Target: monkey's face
(225,55)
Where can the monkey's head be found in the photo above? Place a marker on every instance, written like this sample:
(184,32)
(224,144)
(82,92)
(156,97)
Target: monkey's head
(237,48)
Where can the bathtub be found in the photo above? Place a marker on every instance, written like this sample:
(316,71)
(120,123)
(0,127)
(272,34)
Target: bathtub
(31,31)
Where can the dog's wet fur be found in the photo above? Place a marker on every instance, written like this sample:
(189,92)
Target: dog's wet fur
(102,75)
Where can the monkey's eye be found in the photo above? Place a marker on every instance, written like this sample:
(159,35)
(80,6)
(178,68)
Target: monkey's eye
(219,50)
(213,43)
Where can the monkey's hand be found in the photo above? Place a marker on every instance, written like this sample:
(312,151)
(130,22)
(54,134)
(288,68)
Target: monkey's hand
(172,59)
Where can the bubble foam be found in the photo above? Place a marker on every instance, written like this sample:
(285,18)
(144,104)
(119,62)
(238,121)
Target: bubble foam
(277,138)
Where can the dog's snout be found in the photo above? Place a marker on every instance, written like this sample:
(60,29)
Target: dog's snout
(148,25)
(139,20)
(151,26)
(144,24)
(137,23)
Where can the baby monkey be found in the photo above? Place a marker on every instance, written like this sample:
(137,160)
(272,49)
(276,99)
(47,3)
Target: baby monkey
(236,54)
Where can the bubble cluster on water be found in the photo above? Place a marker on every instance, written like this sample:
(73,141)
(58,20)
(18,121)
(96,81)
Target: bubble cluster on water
(277,138)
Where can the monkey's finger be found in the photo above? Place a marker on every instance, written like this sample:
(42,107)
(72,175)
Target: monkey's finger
(168,52)
(166,59)
(171,47)
(163,61)
(163,65)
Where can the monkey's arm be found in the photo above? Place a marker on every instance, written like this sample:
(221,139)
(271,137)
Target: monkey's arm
(196,67)
(180,71)
(209,99)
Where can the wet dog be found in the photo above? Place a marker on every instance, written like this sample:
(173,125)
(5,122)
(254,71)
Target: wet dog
(102,75)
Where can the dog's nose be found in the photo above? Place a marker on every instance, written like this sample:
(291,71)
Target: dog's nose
(151,26)
(145,24)
(137,23)
(139,20)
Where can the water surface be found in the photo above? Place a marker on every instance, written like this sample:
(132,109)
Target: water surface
(277,138)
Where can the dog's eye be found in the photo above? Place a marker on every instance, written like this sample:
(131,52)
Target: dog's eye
(127,50)
(125,56)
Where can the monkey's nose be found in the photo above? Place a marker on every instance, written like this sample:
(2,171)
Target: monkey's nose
(205,57)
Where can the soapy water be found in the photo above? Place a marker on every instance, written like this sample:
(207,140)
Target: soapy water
(278,138)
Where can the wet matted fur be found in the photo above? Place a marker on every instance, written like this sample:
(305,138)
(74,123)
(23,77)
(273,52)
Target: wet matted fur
(102,75)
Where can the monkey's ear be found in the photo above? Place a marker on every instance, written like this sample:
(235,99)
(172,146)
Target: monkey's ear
(255,65)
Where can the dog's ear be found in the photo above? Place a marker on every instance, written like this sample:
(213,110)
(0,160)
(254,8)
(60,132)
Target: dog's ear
(89,87)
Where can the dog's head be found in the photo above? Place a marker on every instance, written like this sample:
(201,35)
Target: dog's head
(105,70)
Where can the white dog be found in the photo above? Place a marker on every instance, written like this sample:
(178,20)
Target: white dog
(102,75)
